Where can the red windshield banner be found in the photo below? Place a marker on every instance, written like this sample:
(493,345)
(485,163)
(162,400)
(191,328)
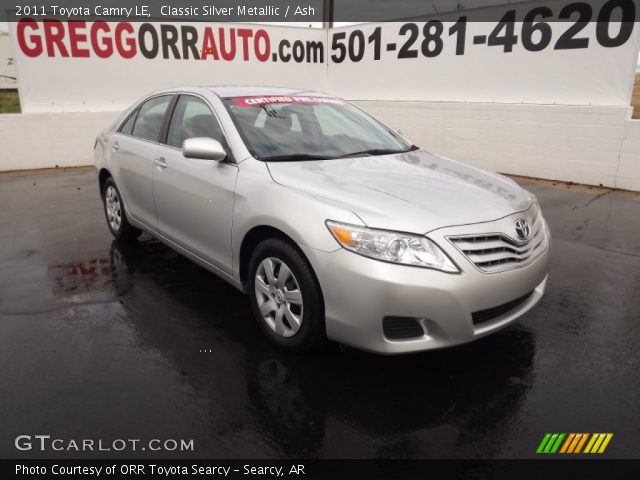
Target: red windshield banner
(301,99)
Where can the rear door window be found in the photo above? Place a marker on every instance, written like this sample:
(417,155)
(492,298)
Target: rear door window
(148,124)
(127,127)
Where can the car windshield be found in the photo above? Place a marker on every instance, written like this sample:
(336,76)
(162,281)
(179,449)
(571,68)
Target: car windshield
(289,128)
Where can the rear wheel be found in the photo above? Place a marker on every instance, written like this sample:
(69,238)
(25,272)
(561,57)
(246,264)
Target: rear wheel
(285,296)
(115,214)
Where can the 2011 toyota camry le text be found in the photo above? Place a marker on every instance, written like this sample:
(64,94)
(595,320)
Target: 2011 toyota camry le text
(335,225)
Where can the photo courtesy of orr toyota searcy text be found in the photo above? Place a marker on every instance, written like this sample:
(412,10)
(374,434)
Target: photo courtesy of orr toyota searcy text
(79,39)
(160,470)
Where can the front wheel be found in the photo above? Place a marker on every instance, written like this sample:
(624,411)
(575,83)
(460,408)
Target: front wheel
(115,214)
(285,296)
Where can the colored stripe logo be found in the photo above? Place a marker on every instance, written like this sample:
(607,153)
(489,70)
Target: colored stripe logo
(573,443)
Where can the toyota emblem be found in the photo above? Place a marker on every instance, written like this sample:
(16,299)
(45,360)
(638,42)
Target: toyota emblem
(522,229)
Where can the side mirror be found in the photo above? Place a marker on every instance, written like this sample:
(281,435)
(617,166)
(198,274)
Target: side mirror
(203,148)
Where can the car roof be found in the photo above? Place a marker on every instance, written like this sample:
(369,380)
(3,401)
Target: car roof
(225,91)
(247,91)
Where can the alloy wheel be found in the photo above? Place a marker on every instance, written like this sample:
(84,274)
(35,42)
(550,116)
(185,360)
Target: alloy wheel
(279,297)
(113,207)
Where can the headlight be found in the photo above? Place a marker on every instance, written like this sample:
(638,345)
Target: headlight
(394,247)
(535,208)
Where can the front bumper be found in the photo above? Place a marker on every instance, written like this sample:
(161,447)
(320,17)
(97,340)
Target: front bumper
(359,292)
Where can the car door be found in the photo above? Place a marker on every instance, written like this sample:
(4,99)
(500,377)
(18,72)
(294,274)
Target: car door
(133,150)
(194,198)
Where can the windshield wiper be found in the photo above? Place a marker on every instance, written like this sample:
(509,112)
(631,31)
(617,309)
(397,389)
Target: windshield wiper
(294,157)
(378,151)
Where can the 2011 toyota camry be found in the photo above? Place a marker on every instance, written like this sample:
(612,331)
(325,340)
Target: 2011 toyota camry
(334,224)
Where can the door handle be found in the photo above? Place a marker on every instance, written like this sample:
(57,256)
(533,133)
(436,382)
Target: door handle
(115,147)
(161,163)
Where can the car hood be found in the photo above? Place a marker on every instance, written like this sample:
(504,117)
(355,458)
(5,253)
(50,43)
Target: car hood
(415,191)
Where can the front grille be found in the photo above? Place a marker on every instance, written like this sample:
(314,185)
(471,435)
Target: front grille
(496,252)
(401,328)
(490,313)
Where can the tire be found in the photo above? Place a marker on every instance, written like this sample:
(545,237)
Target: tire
(114,212)
(287,306)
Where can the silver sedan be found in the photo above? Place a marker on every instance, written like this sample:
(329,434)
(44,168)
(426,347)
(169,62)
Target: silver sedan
(334,224)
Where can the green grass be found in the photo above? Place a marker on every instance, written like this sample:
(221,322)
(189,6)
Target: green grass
(9,102)
(635,100)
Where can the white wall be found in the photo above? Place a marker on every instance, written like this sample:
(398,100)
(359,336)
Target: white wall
(582,144)
(46,140)
(628,176)
(592,145)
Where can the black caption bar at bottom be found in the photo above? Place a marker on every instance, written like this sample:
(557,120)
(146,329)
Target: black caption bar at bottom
(323,469)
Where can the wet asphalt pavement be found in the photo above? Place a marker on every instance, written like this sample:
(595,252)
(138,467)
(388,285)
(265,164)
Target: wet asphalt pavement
(98,340)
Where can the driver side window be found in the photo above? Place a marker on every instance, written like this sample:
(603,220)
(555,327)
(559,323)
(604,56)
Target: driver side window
(192,118)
